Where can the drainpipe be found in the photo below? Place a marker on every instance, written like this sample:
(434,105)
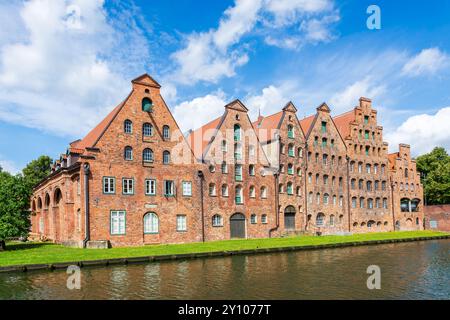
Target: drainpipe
(201,176)
(87,235)
(305,156)
(392,203)
(277,206)
(348,194)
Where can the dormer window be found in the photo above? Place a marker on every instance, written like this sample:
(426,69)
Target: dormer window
(147,105)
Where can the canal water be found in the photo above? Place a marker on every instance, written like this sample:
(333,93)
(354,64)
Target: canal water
(415,270)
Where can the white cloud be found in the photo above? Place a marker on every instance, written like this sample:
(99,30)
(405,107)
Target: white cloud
(217,53)
(195,113)
(61,75)
(428,61)
(8,166)
(423,132)
(209,56)
(348,98)
(271,100)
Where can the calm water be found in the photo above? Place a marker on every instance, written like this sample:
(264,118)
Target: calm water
(418,270)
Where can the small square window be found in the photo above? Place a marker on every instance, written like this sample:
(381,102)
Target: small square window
(181,223)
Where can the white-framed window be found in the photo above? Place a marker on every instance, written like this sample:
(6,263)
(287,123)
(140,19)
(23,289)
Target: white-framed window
(109,185)
(212,189)
(150,187)
(224,167)
(217,220)
(263,192)
(128,126)
(127,186)
(169,188)
(187,188)
(264,219)
(147,130)
(147,155)
(151,223)
(118,222)
(253,219)
(224,190)
(166,157)
(181,222)
(128,153)
(166,132)
(252,192)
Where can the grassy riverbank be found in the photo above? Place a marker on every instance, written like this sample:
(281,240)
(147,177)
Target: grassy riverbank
(46,253)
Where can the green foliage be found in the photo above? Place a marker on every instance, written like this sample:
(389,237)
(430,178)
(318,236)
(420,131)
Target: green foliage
(435,174)
(37,170)
(14,204)
(34,253)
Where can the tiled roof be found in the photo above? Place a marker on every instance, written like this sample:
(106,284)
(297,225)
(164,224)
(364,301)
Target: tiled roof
(306,123)
(266,127)
(94,135)
(195,139)
(343,121)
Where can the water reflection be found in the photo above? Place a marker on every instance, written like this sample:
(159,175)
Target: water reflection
(417,270)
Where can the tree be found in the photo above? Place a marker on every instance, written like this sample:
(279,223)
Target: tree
(37,170)
(14,207)
(435,175)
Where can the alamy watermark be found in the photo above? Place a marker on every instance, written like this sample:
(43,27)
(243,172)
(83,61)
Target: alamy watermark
(374,20)
(74,279)
(374,280)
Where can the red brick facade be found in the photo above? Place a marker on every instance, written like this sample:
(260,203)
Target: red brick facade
(437,217)
(135,179)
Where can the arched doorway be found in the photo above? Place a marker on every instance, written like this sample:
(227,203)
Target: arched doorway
(237,226)
(289,218)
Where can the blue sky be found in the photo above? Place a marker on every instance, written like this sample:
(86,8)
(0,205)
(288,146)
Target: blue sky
(65,64)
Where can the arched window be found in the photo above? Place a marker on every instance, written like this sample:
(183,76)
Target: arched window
(290,170)
(253,218)
(318,198)
(263,192)
(334,200)
(237,132)
(166,157)
(237,151)
(290,189)
(300,152)
(361,202)
(290,129)
(326,198)
(128,153)
(224,190)
(217,220)
(252,192)
(128,126)
(404,205)
(151,223)
(166,132)
(369,185)
(353,184)
(354,202)
(280,188)
(406,172)
(298,191)
(57,197)
(212,189)
(238,195)
(147,155)
(370,203)
(251,170)
(332,220)
(320,219)
(361,184)
(39,203)
(147,105)
(291,152)
(147,129)
(310,197)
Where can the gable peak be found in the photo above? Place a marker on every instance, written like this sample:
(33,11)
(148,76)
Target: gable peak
(290,107)
(237,105)
(323,107)
(146,80)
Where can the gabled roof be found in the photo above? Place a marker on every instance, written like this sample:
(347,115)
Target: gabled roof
(306,123)
(266,127)
(290,107)
(146,80)
(343,121)
(236,105)
(94,135)
(196,140)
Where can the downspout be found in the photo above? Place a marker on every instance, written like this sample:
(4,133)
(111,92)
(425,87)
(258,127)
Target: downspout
(277,205)
(392,204)
(277,198)
(201,176)
(348,195)
(87,235)
(305,155)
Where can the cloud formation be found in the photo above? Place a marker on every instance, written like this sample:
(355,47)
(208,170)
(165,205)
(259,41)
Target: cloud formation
(427,62)
(423,132)
(63,66)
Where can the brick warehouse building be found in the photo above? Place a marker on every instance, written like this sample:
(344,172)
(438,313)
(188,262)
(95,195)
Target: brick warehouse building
(136,179)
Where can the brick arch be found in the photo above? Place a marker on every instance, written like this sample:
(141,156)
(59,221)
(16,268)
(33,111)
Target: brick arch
(57,196)
(46,200)
(39,203)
